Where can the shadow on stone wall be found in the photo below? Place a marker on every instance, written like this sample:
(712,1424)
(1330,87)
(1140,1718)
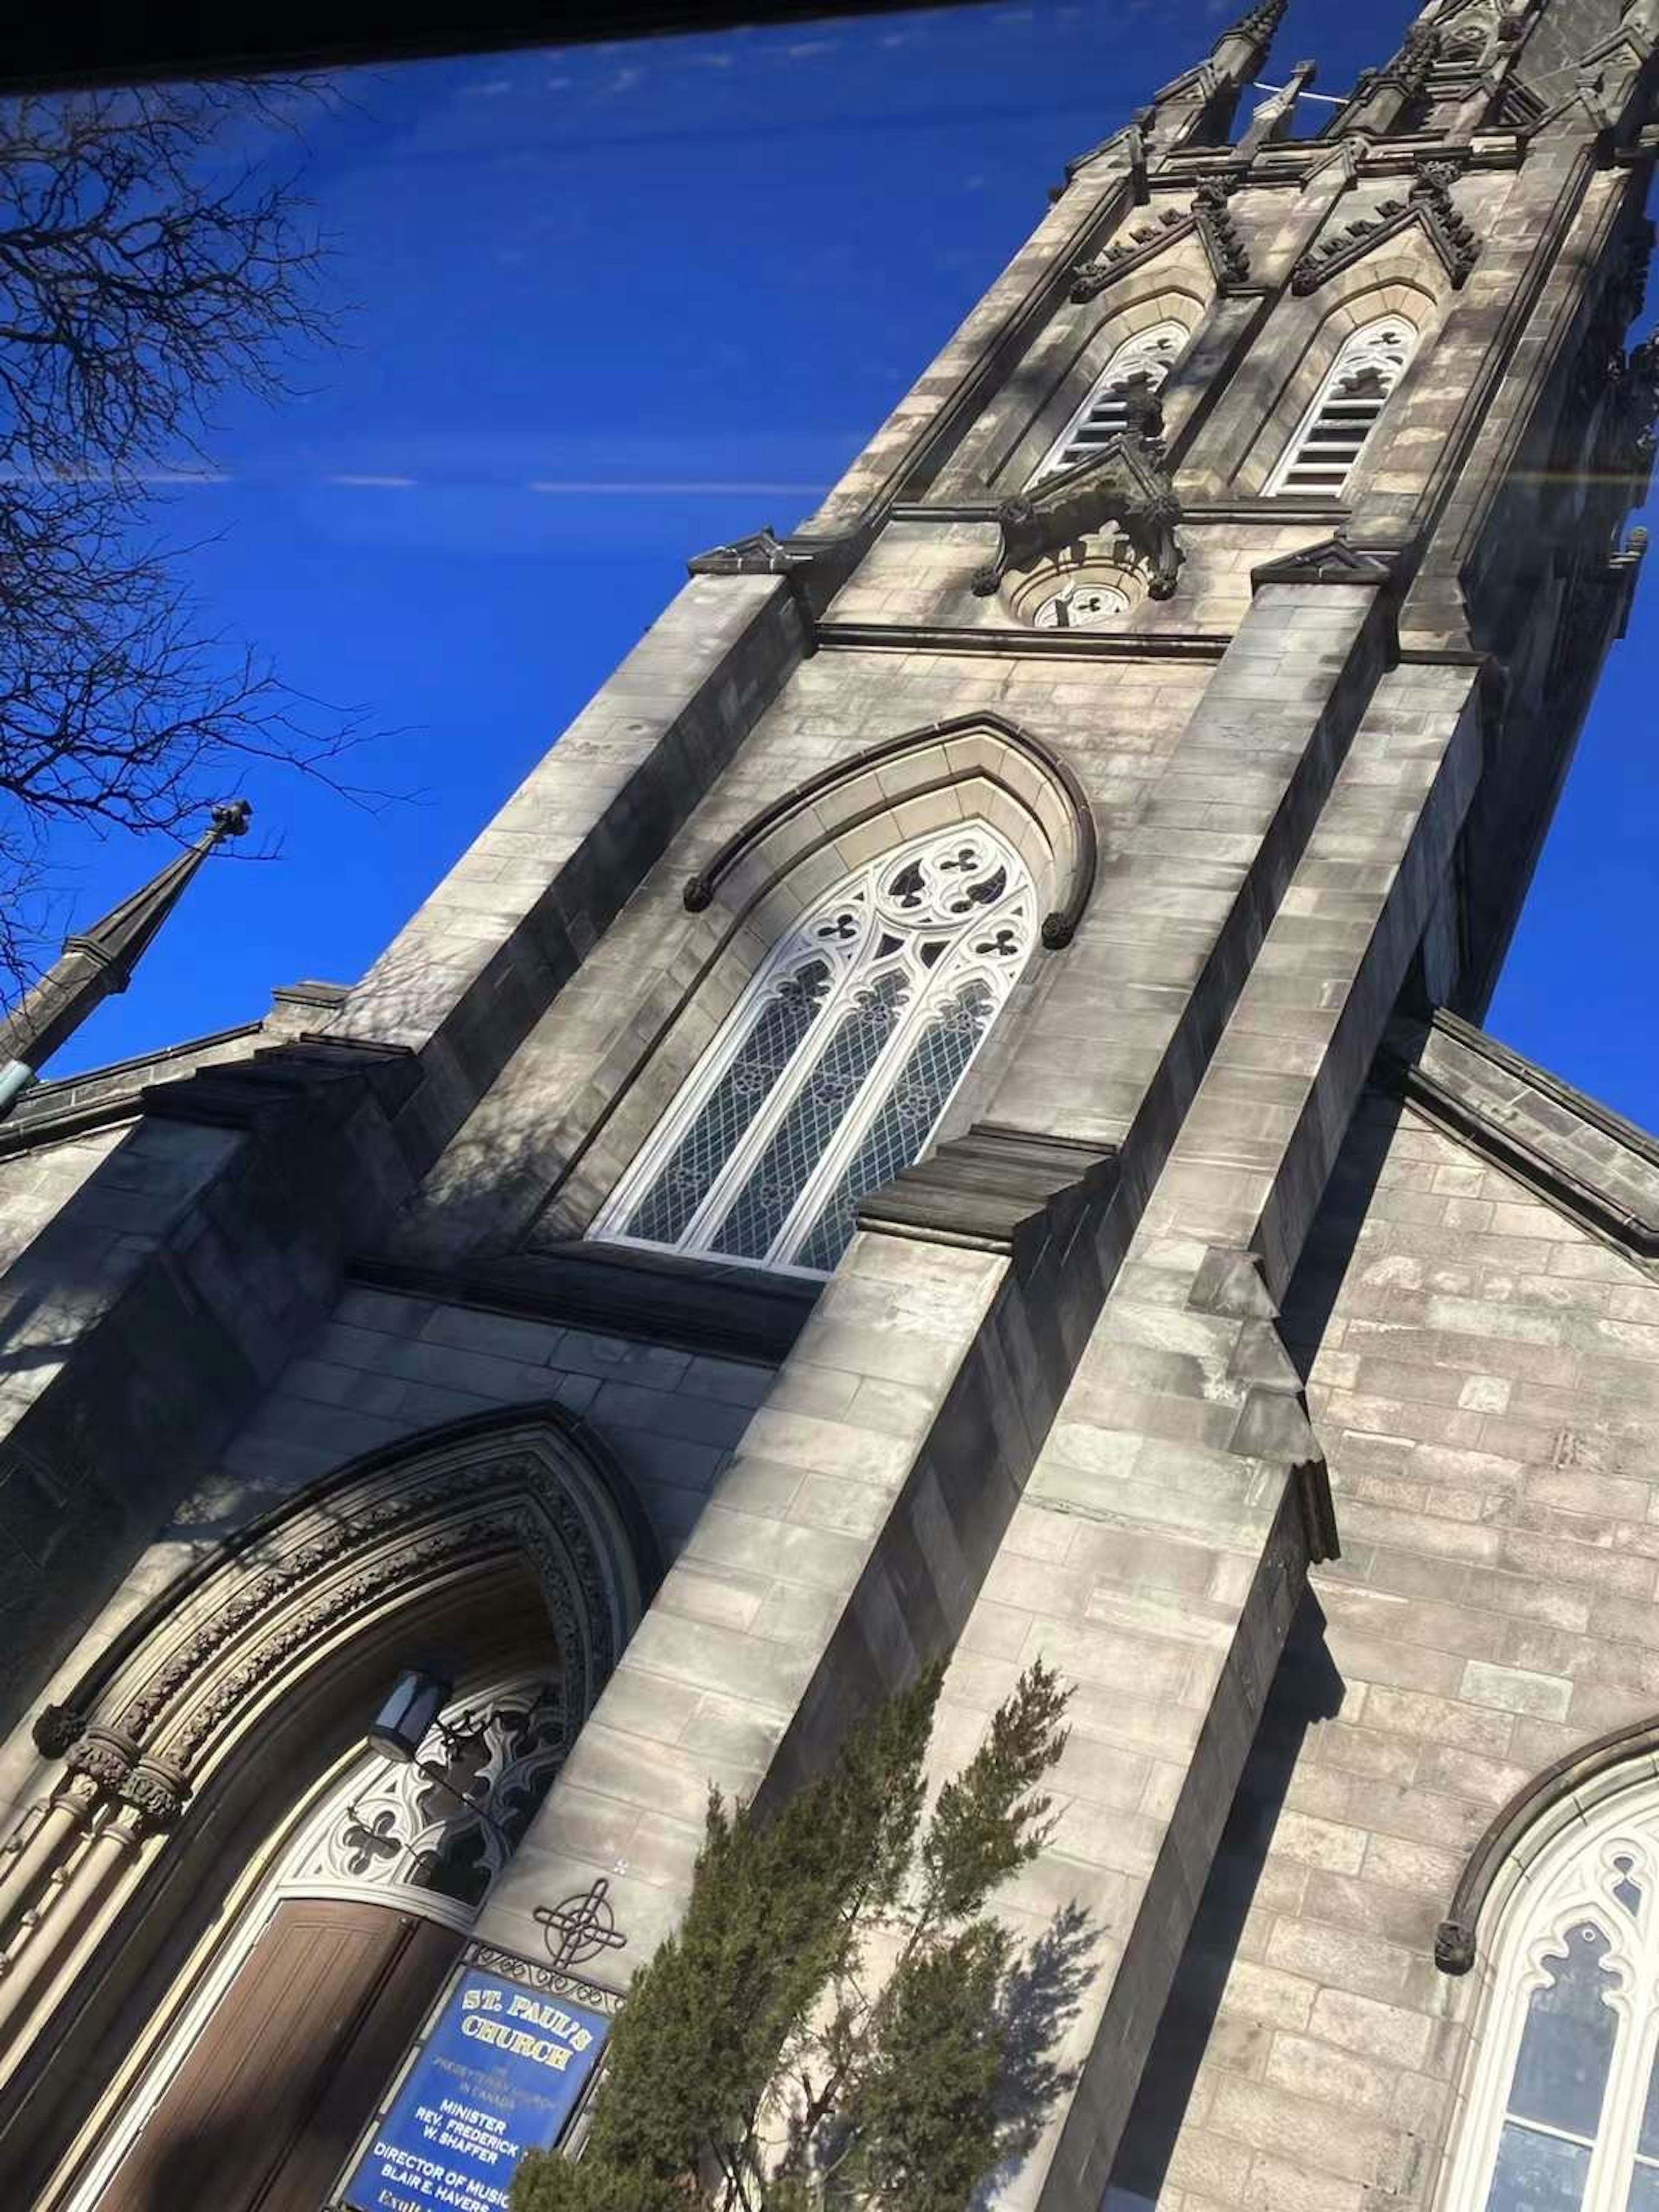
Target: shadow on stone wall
(1346,1208)
(1306,1689)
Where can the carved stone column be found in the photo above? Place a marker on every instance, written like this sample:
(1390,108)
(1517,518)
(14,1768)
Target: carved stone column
(145,1803)
(94,1768)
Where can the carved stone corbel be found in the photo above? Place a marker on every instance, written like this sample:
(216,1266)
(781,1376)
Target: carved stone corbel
(56,1728)
(1126,483)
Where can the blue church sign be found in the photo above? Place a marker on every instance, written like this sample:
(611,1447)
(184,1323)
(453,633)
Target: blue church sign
(501,2073)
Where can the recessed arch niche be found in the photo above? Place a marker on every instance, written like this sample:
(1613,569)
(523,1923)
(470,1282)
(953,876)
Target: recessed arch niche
(176,1765)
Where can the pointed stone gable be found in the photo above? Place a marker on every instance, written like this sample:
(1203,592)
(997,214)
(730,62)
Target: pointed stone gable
(1331,560)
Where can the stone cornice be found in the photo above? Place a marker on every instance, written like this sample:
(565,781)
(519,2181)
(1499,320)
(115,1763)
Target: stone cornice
(1528,1146)
(1022,643)
(54,1112)
(1241,509)
(694,1305)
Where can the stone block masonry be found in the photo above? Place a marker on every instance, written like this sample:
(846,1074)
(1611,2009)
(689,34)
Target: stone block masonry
(1484,1380)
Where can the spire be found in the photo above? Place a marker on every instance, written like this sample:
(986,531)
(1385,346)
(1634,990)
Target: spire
(97,963)
(1382,96)
(1197,109)
(1241,50)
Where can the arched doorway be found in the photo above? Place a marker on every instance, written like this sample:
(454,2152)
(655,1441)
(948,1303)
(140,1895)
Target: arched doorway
(253,2101)
(156,1877)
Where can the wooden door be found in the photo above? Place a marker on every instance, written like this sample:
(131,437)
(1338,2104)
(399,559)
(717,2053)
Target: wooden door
(296,2056)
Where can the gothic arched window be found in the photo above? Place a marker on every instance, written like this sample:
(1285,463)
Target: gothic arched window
(832,1073)
(1151,353)
(1564,2108)
(1332,434)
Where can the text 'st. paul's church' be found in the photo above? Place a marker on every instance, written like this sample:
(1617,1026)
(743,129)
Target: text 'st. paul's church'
(946,1116)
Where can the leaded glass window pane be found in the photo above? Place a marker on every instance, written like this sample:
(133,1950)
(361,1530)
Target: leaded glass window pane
(1537,2173)
(1147,358)
(767,1198)
(907,1118)
(666,1211)
(1561,2072)
(1561,2107)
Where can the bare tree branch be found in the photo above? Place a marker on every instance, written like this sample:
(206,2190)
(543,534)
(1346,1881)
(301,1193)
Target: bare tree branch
(145,267)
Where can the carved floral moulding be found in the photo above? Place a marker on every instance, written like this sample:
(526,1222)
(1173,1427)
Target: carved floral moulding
(1428,206)
(368,1542)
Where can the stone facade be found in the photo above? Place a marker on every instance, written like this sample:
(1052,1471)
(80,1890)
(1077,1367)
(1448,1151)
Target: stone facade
(1262,1347)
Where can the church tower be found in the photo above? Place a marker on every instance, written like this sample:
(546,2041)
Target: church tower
(946,1117)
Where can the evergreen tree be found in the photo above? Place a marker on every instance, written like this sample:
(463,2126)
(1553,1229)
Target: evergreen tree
(832,2026)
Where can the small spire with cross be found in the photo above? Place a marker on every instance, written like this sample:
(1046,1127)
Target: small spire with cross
(97,963)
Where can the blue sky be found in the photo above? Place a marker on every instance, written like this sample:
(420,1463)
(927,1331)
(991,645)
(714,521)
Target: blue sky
(605,307)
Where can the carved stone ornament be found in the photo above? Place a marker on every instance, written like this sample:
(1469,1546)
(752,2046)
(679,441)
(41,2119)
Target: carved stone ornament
(1408,72)
(1260,22)
(157,1795)
(1638,392)
(534,1485)
(1333,560)
(1125,483)
(1428,206)
(103,1756)
(763,553)
(1229,256)
(582,1633)
(580,1928)
(56,1728)
(1454,1946)
(1209,214)
(1629,557)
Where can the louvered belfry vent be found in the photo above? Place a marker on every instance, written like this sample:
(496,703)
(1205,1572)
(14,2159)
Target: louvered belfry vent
(1332,436)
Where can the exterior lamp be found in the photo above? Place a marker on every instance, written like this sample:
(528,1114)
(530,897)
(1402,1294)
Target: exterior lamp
(403,1725)
(405,1720)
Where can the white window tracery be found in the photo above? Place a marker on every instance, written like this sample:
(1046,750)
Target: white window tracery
(1332,434)
(1563,2113)
(1104,415)
(832,1072)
